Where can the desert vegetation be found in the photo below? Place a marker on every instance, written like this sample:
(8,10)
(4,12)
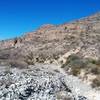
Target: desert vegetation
(32,58)
(96,82)
(77,63)
(29,59)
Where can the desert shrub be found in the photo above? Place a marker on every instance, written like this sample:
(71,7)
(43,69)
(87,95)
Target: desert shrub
(29,59)
(74,61)
(95,70)
(93,66)
(77,63)
(73,57)
(63,65)
(74,64)
(76,71)
(93,61)
(65,28)
(42,58)
(32,58)
(55,56)
(96,82)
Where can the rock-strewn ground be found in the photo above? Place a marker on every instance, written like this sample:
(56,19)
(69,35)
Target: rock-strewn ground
(42,82)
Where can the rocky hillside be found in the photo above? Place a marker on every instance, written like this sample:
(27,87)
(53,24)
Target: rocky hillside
(74,46)
(56,40)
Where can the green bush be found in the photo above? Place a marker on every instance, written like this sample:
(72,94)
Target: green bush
(69,60)
(72,58)
(74,61)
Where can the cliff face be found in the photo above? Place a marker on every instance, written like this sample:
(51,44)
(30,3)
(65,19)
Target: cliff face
(58,40)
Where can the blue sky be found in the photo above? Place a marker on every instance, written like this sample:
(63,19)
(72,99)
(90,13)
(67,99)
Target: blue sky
(20,16)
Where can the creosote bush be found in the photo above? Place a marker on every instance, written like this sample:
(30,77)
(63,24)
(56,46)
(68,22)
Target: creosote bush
(29,59)
(75,63)
(32,58)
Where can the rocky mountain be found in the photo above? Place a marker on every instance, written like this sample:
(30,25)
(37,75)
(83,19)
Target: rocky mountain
(57,40)
(46,64)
